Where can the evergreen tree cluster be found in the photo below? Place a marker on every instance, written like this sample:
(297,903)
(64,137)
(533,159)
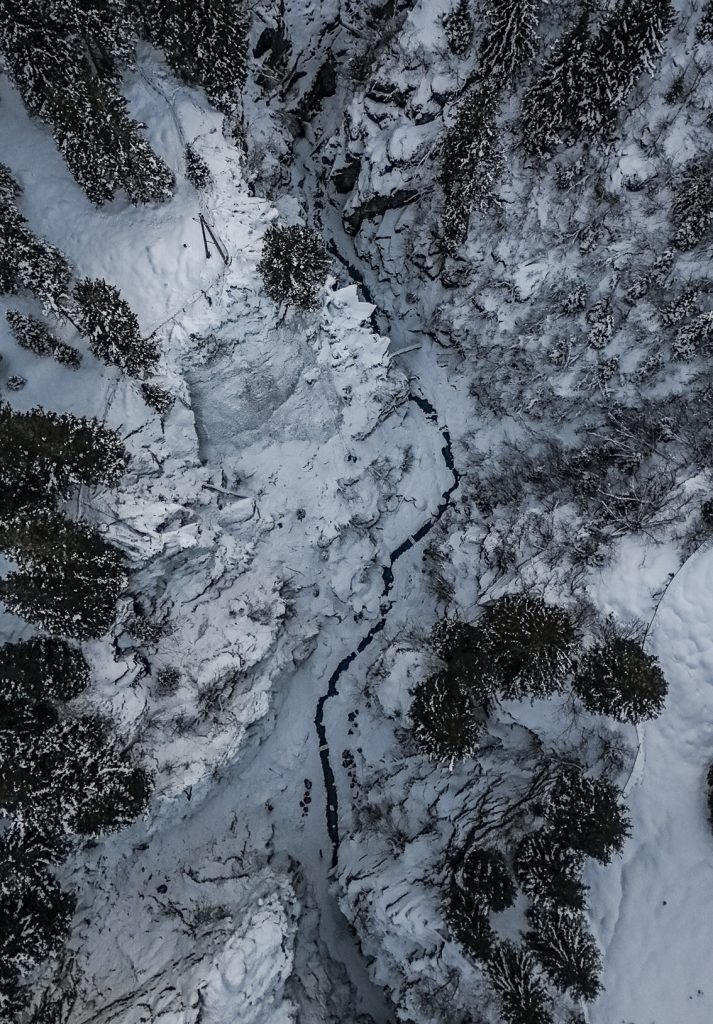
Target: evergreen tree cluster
(586,78)
(64,58)
(510,41)
(525,648)
(581,817)
(27,261)
(94,307)
(471,162)
(35,911)
(294,265)
(692,208)
(60,775)
(459,28)
(205,42)
(111,326)
(704,33)
(44,454)
(32,334)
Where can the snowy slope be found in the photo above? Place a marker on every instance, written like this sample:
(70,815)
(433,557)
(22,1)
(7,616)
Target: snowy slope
(652,908)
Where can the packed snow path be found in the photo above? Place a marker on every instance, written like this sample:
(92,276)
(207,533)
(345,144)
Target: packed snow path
(332,805)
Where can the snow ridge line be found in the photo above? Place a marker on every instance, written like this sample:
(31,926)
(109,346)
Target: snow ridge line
(387,574)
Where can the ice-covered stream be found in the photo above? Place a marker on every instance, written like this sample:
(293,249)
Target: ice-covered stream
(332,805)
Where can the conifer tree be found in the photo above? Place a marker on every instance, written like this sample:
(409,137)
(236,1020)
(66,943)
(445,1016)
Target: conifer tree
(34,336)
(510,41)
(705,25)
(549,872)
(692,209)
(484,875)
(471,163)
(62,57)
(68,578)
(585,814)
(529,644)
(205,42)
(629,42)
(294,265)
(561,943)
(458,644)
(620,680)
(113,329)
(35,912)
(522,995)
(10,189)
(197,170)
(27,261)
(41,669)
(73,774)
(458,25)
(42,454)
(444,725)
(552,104)
(468,920)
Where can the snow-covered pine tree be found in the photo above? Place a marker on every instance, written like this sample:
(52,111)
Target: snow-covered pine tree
(704,33)
(43,454)
(157,397)
(27,261)
(692,208)
(548,872)
(457,643)
(471,163)
(444,725)
(105,150)
(530,645)
(485,876)
(562,944)
(197,170)
(458,26)
(205,42)
(551,106)
(522,995)
(585,814)
(621,680)
(63,67)
(468,920)
(35,911)
(68,578)
(105,27)
(10,189)
(510,41)
(694,339)
(74,775)
(113,329)
(40,669)
(294,265)
(629,42)
(34,336)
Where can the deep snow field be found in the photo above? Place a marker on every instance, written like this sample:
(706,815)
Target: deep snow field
(259,515)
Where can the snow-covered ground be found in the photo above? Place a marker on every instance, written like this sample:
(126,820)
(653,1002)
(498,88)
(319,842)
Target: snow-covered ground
(259,516)
(651,908)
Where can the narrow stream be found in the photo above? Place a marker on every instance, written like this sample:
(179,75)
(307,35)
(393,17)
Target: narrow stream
(387,575)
